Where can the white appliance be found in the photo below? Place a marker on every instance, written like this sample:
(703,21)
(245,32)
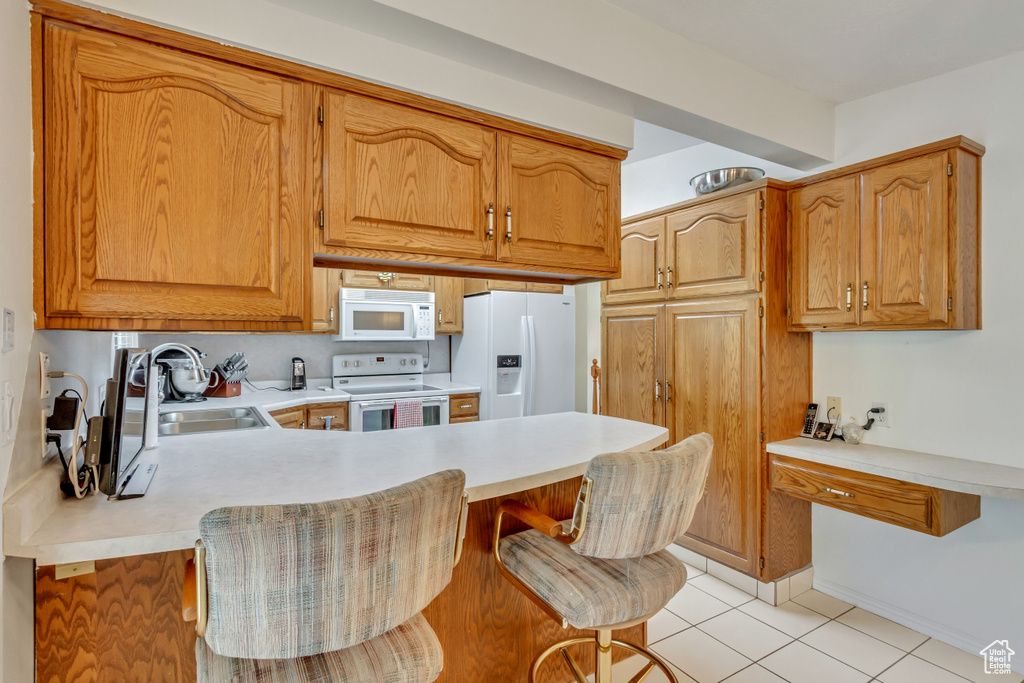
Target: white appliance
(376,381)
(385,315)
(519,348)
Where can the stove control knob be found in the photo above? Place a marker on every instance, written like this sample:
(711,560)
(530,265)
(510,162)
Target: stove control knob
(414,361)
(344,363)
(357,363)
(403,361)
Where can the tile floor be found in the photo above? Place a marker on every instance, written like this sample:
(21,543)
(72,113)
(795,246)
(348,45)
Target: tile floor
(711,631)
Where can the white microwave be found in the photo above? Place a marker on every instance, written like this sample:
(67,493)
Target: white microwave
(385,315)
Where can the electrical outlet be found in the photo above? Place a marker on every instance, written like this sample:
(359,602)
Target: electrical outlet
(834,409)
(882,419)
(42,434)
(44,372)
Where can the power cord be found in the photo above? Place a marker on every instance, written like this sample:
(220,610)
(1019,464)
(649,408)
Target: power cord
(78,487)
(256,388)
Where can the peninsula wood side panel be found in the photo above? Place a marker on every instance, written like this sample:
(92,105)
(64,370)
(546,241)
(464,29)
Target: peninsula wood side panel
(123,623)
(175,188)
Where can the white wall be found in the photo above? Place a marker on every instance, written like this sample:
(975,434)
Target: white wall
(659,181)
(15,294)
(943,388)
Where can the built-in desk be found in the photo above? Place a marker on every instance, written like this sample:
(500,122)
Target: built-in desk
(933,494)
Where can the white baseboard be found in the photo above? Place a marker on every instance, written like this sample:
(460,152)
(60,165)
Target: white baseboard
(933,629)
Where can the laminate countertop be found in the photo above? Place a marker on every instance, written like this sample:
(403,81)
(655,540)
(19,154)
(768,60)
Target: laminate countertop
(198,473)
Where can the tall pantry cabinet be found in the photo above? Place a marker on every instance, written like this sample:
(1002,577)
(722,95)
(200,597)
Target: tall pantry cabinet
(694,338)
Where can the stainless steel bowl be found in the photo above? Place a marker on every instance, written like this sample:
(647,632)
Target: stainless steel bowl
(185,382)
(721,178)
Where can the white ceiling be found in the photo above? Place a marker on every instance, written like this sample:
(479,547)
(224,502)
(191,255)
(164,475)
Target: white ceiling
(651,141)
(846,49)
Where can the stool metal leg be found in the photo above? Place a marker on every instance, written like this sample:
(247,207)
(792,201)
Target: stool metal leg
(603,649)
(603,665)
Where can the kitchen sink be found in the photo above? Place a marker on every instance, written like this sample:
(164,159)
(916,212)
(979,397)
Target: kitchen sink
(199,421)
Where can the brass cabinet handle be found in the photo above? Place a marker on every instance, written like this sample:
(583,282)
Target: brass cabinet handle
(657,388)
(508,224)
(490,221)
(865,295)
(332,314)
(849,295)
(669,283)
(668,392)
(659,278)
(302,425)
(837,492)
(439,316)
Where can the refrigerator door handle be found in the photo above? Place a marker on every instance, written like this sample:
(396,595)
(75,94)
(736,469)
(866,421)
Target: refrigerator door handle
(529,363)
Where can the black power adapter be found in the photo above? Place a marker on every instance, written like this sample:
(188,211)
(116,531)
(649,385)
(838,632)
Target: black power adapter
(64,410)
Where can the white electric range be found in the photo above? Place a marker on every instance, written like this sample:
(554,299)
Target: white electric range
(377,381)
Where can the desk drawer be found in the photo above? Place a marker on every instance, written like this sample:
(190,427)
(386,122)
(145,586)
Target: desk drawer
(901,503)
(913,506)
(464,404)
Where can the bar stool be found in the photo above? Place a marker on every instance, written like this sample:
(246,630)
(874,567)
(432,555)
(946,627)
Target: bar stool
(327,591)
(607,567)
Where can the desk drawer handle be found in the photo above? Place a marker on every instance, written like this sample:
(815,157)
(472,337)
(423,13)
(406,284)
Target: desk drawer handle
(837,492)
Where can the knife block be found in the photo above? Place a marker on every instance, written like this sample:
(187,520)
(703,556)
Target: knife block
(224,389)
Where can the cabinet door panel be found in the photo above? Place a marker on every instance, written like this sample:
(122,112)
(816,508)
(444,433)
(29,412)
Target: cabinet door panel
(632,347)
(713,368)
(904,242)
(365,279)
(713,248)
(412,282)
(643,264)
(326,282)
(448,294)
(564,205)
(404,180)
(824,246)
(183,180)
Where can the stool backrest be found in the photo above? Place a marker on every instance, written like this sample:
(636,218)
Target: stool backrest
(642,502)
(288,581)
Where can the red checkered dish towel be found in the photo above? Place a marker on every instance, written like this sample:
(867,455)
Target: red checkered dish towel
(408,413)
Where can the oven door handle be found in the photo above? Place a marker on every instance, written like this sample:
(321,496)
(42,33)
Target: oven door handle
(427,401)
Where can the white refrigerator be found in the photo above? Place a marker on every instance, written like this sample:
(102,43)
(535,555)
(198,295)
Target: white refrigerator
(519,348)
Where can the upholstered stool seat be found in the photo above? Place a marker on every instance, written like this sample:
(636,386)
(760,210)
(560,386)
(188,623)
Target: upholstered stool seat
(588,591)
(408,653)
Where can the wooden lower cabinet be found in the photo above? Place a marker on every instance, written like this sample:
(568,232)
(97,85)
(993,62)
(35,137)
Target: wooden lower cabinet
(123,623)
(464,408)
(726,365)
(313,416)
(290,418)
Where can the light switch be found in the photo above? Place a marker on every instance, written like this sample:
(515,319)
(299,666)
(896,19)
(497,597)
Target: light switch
(8,331)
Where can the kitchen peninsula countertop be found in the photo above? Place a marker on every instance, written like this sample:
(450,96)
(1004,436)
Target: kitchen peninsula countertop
(198,473)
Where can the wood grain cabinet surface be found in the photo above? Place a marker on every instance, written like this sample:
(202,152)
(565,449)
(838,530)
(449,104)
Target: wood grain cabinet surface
(448,300)
(174,189)
(711,353)
(326,283)
(892,243)
(371,279)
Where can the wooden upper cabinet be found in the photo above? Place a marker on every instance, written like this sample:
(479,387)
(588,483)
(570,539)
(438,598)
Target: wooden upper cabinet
(397,178)
(448,292)
(713,357)
(824,246)
(412,282)
(713,248)
(632,371)
(901,232)
(557,207)
(904,243)
(372,279)
(643,264)
(174,188)
(326,283)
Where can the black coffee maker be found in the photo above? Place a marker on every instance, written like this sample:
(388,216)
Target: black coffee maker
(298,374)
